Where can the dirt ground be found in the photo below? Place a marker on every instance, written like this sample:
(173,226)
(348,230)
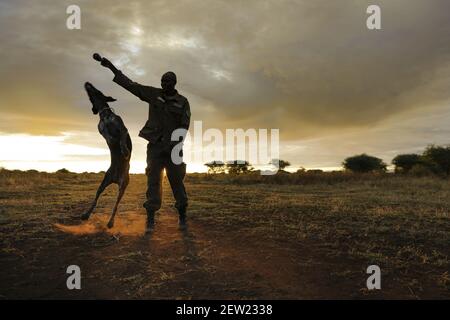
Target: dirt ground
(252,241)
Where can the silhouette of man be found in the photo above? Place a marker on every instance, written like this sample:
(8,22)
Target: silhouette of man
(168,111)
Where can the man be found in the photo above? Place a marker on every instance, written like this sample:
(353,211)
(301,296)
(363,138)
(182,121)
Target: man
(168,111)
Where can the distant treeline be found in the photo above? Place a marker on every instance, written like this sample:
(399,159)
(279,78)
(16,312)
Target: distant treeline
(434,160)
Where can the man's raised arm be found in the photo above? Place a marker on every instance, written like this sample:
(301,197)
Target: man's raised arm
(142,92)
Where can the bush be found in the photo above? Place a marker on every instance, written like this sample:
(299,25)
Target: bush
(238,167)
(405,162)
(364,163)
(438,159)
(215,167)
(280,164)
(282,178)
(314,171)
(63,171)
(421,170)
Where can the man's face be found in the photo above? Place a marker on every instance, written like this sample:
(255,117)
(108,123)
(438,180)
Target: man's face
(168,82)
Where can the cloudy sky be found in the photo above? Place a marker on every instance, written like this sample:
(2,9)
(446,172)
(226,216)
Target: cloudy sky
(311,69)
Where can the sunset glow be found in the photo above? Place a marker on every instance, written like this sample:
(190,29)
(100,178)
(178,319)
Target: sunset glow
(328,97)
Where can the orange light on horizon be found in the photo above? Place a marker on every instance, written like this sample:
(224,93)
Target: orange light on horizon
(51,153)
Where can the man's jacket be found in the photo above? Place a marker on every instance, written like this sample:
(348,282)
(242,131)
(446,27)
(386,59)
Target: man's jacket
(165,113)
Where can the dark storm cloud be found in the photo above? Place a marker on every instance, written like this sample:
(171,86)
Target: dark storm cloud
(306,67)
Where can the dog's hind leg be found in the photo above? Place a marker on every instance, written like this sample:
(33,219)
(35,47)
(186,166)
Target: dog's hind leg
(122,188)
(106,182)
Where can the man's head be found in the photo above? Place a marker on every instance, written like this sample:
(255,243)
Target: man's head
(168,82)
(98,99)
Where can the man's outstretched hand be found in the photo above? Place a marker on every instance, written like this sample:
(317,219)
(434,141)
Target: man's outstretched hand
(97,57)
(103,61)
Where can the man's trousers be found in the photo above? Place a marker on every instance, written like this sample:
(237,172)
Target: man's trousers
(158,159)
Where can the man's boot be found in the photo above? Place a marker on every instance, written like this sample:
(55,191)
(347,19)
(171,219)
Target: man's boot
(150,221)
(182,216)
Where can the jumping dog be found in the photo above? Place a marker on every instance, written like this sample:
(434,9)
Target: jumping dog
(112,128)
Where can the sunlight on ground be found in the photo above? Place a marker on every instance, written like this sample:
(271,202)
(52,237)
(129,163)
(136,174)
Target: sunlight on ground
(127,223)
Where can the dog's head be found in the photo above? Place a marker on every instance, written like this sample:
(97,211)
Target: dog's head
(98,99)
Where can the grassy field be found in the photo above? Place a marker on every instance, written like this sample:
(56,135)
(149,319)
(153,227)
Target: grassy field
(292,236)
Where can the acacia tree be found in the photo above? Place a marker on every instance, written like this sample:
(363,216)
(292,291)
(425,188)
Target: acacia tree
(215,167)
(238,167)
(364,163)
(281,164)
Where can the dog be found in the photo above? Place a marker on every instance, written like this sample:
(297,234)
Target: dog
(112,128)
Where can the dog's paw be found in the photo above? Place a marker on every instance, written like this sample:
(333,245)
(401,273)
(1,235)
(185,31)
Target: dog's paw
(110,224)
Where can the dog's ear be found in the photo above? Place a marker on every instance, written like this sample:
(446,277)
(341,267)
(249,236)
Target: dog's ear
(110,99)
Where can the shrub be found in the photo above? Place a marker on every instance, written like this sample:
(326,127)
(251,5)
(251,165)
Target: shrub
(301,170)
(215,167)
(421,170)
(364,163)
(281,164)
(404,162)
(438,158)
(238,167)
(63,171)
(314,171)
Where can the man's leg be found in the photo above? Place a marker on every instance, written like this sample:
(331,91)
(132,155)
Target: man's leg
(154,172)
(175,174)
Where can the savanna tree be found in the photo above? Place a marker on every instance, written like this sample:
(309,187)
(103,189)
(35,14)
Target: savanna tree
(405,162)
(281,164)
(238,167)
(215,167)
(364,163)
(438,158)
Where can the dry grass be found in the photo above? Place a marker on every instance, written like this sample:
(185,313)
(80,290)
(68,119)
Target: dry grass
(346,222)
